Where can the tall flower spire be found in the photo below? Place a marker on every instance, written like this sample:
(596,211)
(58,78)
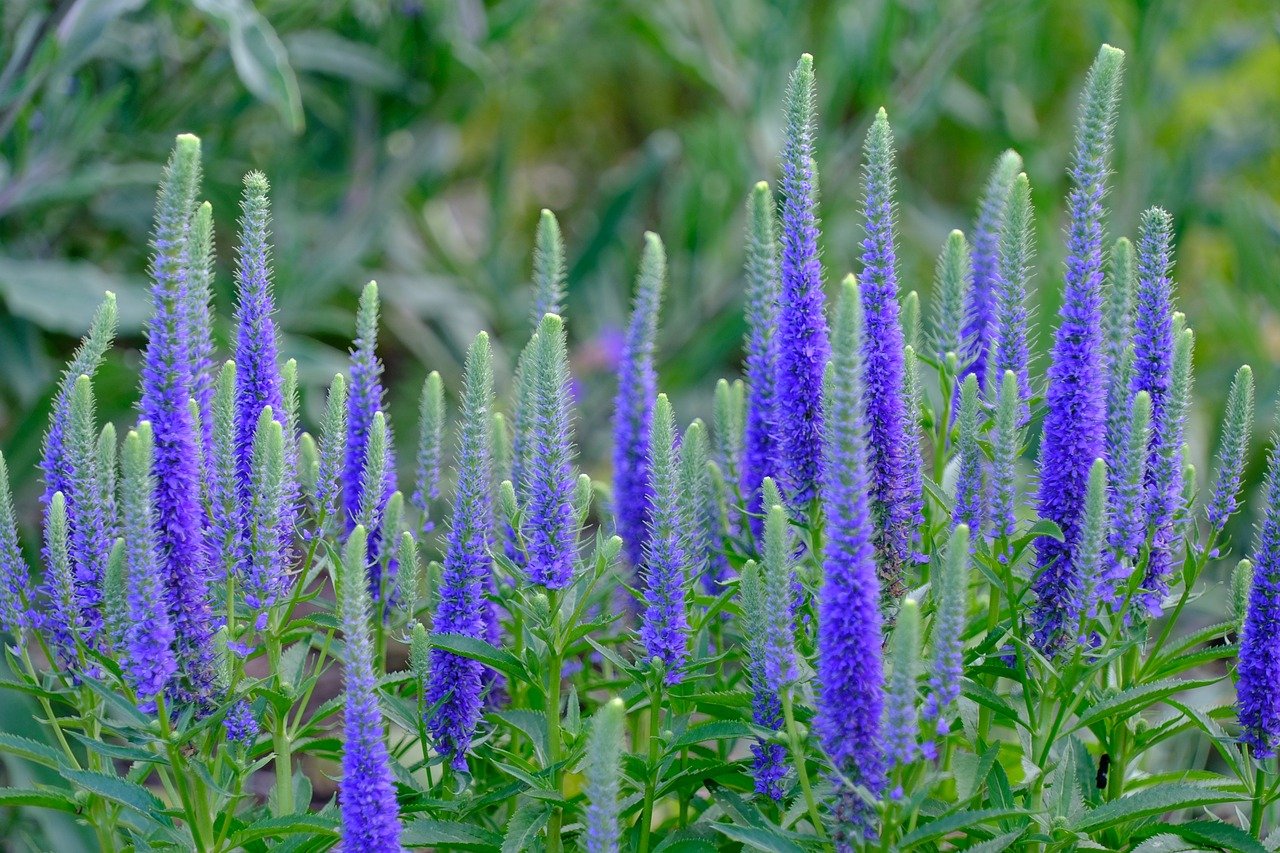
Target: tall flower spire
(894,472)
(88,356)
(167,390)
(1075,422)
(953,282)
(454,686)
(1154,372)
(266,574)
(148,633)
(199,318)
(850,672)
(15,574)
(760,438)
(1165,478)
(1236,429)
(633,406)
(802,326)
(971,489)
(366,793)
(1008,331)
(665,629)
(90,509)
(1258,687)
(988,231)
(258,381)
(603,772)
(546,491)
(364,399)
(1119,349)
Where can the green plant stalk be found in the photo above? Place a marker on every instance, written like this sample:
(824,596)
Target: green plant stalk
(651,780)
(1259,804)
(281,742)
(197,816)
(801,760)
(554,675)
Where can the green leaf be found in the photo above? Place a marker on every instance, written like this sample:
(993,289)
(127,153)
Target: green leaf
(122,752)
(479,650)
(43,799)
(527,821)
(1149,802)
(943,826)
(273,827)
(532,723)
(1141,696)
(260,59)
(1222,835)
(999,843)
(714,730)
(449,835)
(121,791)
(760,838)
(31,750)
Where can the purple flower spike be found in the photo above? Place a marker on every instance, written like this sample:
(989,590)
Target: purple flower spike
(166,391)
(988,230)
(802,326)
(633,406)
(148,632)
(258,382)
(455,683)
(15,574)
(760,441)
(1258,688)
(850,669)
(1075,422)
(366,794)
(895,472)
(550,523)
(665,629)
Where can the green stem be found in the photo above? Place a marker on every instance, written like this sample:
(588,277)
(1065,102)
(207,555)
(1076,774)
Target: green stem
(282,743)
(802,769)
(1256,813)
(553,743)
(651,778)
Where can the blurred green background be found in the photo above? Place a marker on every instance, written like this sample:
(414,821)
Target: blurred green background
(414,141)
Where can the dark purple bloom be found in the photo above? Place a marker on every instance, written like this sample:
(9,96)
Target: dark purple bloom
(664,631)
(455,683)
(148,633)
(802,326)
(633,406)
(895,472)
(166,391)
(850,671)
(1258,688)
(366,794)
(988,233)
(241,724)
(550,528)
(1075,421)
(760,439)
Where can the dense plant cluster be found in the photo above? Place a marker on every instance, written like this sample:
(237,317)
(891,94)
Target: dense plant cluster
(851,612)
